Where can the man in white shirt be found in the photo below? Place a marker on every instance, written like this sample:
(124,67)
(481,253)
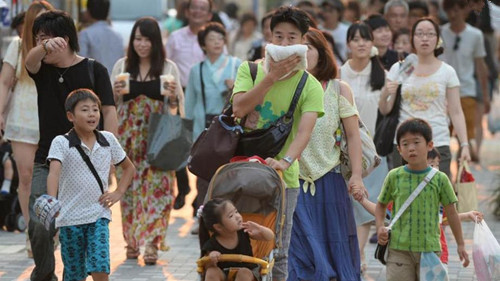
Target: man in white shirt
(99,41)
(463,48)
(332,22)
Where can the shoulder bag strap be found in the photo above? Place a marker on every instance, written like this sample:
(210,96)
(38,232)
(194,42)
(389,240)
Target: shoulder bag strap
(253,70)
(203,87)
(91,167)
(296,95)
(413,195)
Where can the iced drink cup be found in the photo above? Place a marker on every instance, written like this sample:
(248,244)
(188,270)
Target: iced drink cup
(165,81)
(124,80)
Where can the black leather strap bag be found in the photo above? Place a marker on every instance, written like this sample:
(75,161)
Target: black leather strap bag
(269,142)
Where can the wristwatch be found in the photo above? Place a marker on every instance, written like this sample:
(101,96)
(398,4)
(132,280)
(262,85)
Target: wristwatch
(288,159)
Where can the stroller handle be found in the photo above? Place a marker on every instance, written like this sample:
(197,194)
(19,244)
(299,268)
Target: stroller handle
(235,258)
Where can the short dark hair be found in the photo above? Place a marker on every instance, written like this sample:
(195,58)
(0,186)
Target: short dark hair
(377,74)
(402,31)
(437,51)
(376,21)
(57,24)
(415,126)
(248,17)
(419,5)
(17,20)
(293,16)
(326,69)
(149,28)
(450,4)
(79,95)
(98,9)
(211,26)
(433,153)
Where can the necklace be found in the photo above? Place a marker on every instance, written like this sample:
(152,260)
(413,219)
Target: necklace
(61,79)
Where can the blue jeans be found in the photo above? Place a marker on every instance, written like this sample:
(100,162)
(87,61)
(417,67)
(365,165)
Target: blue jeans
(42,241)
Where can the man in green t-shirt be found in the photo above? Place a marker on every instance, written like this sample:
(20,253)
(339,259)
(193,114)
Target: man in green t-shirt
(269,98)
(417,231)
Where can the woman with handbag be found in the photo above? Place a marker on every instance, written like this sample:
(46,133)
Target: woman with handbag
(365,74)
(21,113)
(209,86)
(152,80)
(324,231)
(430,92)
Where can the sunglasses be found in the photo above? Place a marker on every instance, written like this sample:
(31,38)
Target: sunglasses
(457,42)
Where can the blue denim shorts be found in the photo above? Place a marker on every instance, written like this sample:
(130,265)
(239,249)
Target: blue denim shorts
(85,249)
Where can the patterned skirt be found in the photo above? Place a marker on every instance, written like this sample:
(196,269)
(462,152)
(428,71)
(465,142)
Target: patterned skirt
(147,203)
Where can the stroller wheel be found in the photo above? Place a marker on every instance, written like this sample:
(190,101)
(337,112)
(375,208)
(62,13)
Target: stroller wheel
(10,222)
(20,223)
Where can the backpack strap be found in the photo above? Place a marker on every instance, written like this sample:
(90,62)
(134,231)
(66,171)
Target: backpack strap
(253,70)
(91,72)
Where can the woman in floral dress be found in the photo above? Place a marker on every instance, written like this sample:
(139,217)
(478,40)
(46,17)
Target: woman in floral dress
(147,204)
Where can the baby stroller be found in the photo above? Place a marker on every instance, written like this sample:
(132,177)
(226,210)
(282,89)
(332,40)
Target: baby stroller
(10,210)
(258,192)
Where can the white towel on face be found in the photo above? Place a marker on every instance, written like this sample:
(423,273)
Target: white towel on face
(278,53)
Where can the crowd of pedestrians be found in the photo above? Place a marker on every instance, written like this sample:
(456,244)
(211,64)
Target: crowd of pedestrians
(85,87)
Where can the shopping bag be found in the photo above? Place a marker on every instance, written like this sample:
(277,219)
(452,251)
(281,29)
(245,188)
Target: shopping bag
(485,253)
(169,141)
(465,187)
(46,209)
(431,268)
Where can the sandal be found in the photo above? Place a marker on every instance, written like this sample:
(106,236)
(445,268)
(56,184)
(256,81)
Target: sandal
(150,254)
(132,253)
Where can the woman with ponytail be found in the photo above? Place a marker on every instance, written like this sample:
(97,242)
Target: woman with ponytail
(366,76)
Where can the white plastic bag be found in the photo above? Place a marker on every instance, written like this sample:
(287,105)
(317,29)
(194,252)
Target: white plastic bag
(485,253)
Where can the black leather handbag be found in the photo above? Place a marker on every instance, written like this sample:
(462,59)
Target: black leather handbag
(268,142)
(381,251)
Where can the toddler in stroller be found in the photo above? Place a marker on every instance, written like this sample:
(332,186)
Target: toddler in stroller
(257,191)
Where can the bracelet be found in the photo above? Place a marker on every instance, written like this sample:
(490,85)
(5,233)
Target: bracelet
(464,144)
(44,45)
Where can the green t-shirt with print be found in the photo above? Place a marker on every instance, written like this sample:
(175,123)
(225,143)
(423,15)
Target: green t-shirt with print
(276,103)
(417,230)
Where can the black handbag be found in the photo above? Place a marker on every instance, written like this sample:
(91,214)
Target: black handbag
(385,128)
(215,146)
(268,142)
(381,251)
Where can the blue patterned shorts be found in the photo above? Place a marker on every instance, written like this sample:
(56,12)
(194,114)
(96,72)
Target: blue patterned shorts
(85,249)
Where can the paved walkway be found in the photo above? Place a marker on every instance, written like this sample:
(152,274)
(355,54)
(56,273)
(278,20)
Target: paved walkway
(179,262)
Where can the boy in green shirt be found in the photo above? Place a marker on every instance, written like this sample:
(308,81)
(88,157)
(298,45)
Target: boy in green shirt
(269,98)
(418,229)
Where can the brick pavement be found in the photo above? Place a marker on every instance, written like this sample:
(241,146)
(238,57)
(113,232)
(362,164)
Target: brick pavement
(178,263)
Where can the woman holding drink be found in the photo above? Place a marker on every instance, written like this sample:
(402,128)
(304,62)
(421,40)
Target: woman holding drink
(145,82)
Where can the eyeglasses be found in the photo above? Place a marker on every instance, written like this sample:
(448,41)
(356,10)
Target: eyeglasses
(457,42)
(425,34)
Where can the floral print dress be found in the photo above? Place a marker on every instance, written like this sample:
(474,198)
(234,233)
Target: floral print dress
(147,203)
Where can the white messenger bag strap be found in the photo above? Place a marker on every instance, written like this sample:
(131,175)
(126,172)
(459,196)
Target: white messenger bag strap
(413,195)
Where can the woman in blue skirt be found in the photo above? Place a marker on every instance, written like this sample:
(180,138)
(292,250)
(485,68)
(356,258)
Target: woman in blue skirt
(324,244)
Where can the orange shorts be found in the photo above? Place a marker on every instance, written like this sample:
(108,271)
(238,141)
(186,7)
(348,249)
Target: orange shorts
(469,109)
